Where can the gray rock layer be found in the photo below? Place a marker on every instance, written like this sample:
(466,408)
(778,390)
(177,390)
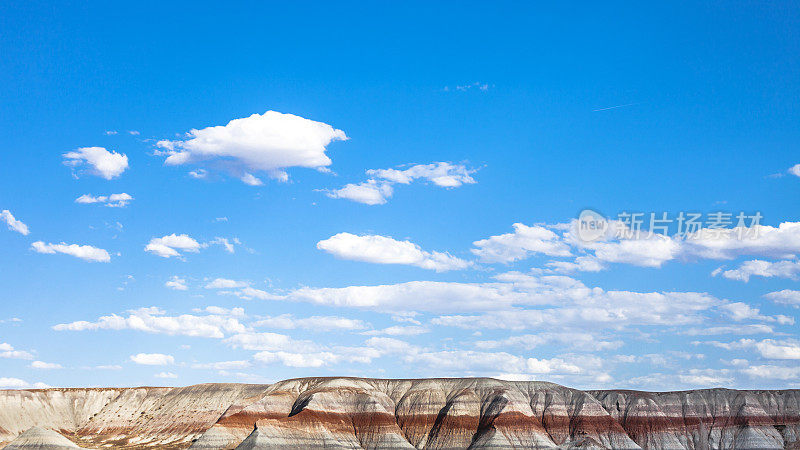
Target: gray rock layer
(358,413)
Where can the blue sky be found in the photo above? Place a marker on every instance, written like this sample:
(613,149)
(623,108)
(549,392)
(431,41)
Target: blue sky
(346,205)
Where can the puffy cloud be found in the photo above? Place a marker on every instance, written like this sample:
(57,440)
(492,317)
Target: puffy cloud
(581,264)
(739,311)
(288,359)
(16,383)
(251,180)
(84,252)
(112,201)
(45,365)
(266,342)
(314,323)
(767,348)
(442,174)
(412,296)
(198,174)
(13,224)
(571,302)
(621,245)
(269,142)
(646,252)
(172,244)
(153,359)
(378,188)
(169,375)
(760,268)
(522,243)
(370,192)
(177,283)
(225,283)
(773,372)
(785,297)
(8,351)
(249,293)
(103,163)
(176,244)
(153,320)
(386,250)
(795,170)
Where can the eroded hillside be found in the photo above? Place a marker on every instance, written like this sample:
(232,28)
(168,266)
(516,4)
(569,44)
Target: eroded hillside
(356,413)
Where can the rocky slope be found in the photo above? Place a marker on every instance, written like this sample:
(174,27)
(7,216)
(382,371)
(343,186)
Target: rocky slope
(355,413)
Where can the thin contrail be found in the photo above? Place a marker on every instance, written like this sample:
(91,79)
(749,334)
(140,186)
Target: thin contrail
(614,107)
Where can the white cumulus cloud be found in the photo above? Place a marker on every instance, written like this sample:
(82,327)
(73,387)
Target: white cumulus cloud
(785,297)
(13,224)
(178,244)
(16,383)
(760,268)
(386,250)
(8,351)
(153,359)
(177,283)
(112,201)
(269,142)
(169,375)
(172,245)
(522,243)
(84,252)
(102,162)
(153,320)
(225,283)
(378,188)
(45,365)
(795,170)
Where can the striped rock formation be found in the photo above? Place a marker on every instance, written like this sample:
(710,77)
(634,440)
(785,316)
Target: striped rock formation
(36,438)
(356,413)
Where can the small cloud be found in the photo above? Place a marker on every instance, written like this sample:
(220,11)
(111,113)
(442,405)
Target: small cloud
(266,143)
(466,87)
(795,170)
(133,132)
(13,224)
(84,252)
(379,187)
(166,375)
(45,366)
(224,283)
(110,132)
(8,351)
(102,162)
(172,245)
(176,283)
(112,201)
(153,359)
(198,174)
(249,179)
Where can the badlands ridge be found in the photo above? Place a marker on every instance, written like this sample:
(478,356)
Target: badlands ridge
(356,413)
